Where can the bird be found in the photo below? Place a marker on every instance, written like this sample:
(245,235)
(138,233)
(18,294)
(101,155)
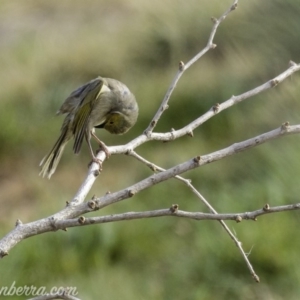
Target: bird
(100,103)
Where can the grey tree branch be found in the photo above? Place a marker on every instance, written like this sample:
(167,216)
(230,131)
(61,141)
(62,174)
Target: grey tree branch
(51,223)
(188,129)
(148,135)
(174,211)
(183,67)
(72,214)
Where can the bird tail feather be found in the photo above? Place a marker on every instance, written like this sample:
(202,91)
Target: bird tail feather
(51,160)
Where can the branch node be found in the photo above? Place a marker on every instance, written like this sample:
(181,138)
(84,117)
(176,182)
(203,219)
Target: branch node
(165,107)
(92,204)
(274,82)
(153,123)
(81,220)
(216,108)
(266,207)
(152,167)
(3,253)
(214,20)
(285,126)
(238,219)
(172,135)
(129,151)
(181,66)
(148,132)
(53,223)
(292,63)
(256,278)
(18,222)
(234,6)
(96,173)
(131,193)
(190,133)
(174,208)
(197,159)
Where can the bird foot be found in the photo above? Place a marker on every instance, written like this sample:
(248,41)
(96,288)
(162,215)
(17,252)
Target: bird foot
(105,149)
(98,161)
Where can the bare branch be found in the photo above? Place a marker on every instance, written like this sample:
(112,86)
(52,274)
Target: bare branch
(182,67)
(210,44)
(53,223)
(171,212)
(72,215)
(207,204)
(188,129)
(197,162)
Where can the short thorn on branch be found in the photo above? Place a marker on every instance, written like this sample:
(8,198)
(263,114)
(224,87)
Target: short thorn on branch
(153,168)
(129,151)
(274,82)
(216,107)
(174,208)
(81,220)
(131,193)
(97,173)
(165,107)
(266,207)
(256,278)
(92,204)
(18,222)
(214,20)
(53,223)
(190,133)
(285,126)
(3,253)
(181,66)
(234,6)
(238,219)
(197,159)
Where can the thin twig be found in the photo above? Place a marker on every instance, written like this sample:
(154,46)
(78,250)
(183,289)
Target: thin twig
(183,67)
(217,108)
(207,204)
(174,211)
(23,231)
(196,162)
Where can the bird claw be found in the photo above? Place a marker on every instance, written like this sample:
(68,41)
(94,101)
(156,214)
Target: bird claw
(105,149)
(98,161)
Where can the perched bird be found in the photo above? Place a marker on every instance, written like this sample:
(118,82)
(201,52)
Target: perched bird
(101,103)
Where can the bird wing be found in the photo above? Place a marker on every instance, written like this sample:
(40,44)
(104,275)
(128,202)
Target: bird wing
(75,98)
(88,99)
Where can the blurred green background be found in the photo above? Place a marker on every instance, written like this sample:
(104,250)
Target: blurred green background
(48,48)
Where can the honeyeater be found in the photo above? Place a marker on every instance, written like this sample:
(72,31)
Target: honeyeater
(101,103)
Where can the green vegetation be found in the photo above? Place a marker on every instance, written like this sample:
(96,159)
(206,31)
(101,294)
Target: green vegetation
(48,48)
